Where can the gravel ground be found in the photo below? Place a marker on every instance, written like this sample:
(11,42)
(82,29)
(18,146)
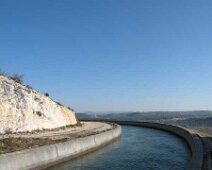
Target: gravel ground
(16,142)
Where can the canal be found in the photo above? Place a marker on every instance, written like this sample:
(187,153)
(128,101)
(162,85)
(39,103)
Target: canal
(138,148)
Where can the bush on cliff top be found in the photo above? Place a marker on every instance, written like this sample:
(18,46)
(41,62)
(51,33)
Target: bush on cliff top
(16,77)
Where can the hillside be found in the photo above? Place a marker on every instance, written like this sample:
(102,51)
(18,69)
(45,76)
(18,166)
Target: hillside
(23,109)
(197,120)
(149,116)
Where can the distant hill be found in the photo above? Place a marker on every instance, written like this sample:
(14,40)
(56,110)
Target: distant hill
(149,116)
(197,120)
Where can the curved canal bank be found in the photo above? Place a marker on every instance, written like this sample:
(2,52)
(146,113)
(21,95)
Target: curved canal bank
(137,148)
(45,156)
(193,140)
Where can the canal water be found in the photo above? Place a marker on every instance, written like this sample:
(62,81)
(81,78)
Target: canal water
(137,149)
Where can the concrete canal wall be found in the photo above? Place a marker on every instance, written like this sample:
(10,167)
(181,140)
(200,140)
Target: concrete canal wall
(193,140)
(42,157)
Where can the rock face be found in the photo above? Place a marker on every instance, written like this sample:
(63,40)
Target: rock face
(23,109)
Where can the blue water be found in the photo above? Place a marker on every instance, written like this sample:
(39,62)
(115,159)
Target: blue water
(138,149)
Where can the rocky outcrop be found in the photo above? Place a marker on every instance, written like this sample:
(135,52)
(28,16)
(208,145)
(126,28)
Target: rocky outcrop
(23,109)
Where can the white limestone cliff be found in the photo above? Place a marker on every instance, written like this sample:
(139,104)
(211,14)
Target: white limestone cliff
(23,109)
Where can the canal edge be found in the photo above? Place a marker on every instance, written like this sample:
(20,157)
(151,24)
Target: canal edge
(49,155)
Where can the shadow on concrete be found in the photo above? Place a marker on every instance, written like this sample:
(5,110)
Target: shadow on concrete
(207,141)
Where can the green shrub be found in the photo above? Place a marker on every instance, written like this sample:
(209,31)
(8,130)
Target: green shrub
(7,141)
(17,78)
(70,109)
(46,94)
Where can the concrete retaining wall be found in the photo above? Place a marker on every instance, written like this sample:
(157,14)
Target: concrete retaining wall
(45,156)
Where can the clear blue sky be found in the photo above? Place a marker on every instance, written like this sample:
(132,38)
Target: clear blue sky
(112,55)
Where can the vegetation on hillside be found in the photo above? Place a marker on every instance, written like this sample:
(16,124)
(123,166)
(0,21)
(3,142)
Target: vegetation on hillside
(19,79)
(16,77)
